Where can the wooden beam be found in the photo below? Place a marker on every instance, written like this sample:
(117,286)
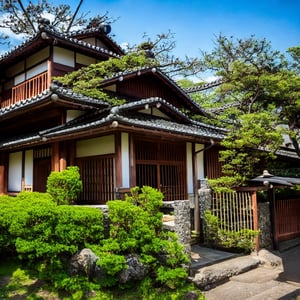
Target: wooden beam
(62,156)
(132,161)
(255,217)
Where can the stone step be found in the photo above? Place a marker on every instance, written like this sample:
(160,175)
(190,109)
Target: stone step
(210,276)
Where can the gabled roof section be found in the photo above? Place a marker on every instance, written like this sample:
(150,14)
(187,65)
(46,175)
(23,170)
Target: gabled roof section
(48,35)
(100,34)
(153,102)
(171,84)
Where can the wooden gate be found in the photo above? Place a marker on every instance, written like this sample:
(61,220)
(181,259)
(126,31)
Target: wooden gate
(236,211)
(286,219)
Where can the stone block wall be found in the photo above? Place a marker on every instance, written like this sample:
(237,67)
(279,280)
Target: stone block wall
(264,225)
(182,221)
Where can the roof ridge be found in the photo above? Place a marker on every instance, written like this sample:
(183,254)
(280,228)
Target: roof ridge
(204,86)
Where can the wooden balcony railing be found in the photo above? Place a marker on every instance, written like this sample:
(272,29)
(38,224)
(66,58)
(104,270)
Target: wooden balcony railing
(26,89)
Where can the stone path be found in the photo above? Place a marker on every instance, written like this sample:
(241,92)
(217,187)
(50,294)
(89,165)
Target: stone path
(272,276)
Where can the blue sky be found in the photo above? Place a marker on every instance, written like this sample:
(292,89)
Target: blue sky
(195,23)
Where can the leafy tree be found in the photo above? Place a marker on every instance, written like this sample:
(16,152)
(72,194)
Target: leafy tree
(259,92)
(22,20)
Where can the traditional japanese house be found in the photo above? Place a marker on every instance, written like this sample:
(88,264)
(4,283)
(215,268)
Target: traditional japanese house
(46,127)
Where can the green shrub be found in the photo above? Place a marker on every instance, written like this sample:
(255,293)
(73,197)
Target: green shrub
(45,234)
(64,186)
(136,227)
(241,240)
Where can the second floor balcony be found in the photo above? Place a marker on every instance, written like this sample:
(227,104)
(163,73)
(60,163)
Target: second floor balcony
(25,90)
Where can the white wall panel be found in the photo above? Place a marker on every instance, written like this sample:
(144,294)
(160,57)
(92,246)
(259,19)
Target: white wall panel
(29,167)
(41,68)
(64,57)
(200,160)
(15,172)
(97,146)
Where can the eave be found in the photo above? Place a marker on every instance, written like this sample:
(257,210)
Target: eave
(54,96)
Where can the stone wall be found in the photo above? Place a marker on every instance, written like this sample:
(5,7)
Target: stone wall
(264,225)
(182,221)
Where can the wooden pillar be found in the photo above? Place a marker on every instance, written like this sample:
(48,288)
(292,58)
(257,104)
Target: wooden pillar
(132,161)
(23,171)
(63,156)
(71,150)
(196,198)
(55,157)
(271,196)
(3,173)
(118,162)
(255,217)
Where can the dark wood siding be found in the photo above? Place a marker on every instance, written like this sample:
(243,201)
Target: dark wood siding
(162,165)
(212,164)
(149,86)
(97,174)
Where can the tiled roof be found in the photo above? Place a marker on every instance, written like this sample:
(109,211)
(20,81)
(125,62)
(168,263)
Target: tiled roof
(48,94)
(44,31)
(124,114)
(143,121)
(203,87)
(95,31)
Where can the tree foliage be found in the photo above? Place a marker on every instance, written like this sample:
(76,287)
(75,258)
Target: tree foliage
(22,20)
(258,97)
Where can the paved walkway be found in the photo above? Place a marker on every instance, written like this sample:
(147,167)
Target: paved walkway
(204,256)
(264,282)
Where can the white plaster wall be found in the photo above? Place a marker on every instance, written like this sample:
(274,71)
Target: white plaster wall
(20,78)
(200,161)
(73,114)
(29,167)
(37,70)
(96,146)
(15,172)
(125,160)
(63,56)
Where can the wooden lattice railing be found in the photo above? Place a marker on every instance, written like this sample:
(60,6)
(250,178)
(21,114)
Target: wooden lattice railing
(26,89)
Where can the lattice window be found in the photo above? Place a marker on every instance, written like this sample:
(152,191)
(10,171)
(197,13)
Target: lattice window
(163,166)
(97,175)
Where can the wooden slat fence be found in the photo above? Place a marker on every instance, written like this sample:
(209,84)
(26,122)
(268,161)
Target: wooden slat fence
(236,211)
(287,221)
